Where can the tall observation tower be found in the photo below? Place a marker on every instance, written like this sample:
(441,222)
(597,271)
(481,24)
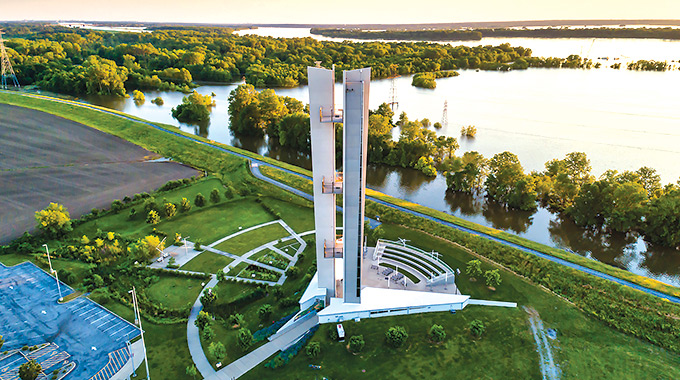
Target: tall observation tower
(339,257)
(354,281)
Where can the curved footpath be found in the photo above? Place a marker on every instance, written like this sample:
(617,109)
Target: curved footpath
(258,174)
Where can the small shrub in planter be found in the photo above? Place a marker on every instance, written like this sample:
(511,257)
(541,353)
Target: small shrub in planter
(476,327)
(396,336)
(437,333)
(313,349)
(356,343)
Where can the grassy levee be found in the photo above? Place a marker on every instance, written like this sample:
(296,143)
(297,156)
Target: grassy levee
(306,185)
(629,310)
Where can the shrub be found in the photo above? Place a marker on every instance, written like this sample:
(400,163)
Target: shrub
(207,333)
(332,332)
(313,349)
(170,210)
(236,320)
(245,338)
(203,320)
(288,302)
(215,196)
(153,217)
(208,299)
(356,343)
(229,192)
(293,272)
(493,277)
(474,268)
(100,296)
(116,205)
(396,336)
(54,220)
(158,101)
(265,311)
(199,200)
(476,327)
(30,370)
(184,205)
(437,333)
(132,213)
(217,350)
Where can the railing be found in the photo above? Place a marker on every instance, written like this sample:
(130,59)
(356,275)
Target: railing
(332,187)
(332,249)
(330,115)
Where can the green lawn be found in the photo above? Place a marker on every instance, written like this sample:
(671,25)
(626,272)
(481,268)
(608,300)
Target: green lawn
(79,269)
(166,346)
(207,262)
(207,223)
(238,245)
(175,291)
(506,351)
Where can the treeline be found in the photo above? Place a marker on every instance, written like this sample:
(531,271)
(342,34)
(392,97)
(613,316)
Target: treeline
(393,34)
(78,61)
(286,120)
(427,80)
(478,34)
(615,202)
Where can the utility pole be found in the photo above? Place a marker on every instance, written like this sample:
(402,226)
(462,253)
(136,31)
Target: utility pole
(393,94)
(445,114)
(7,70)
(53,272)
(138,320)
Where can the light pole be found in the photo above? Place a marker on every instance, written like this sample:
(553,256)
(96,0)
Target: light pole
(132,357)
(53,271)
(138,320)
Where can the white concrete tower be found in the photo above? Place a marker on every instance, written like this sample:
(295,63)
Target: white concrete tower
(326,184)
(355,142)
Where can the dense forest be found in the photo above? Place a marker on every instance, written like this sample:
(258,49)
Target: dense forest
(478,34)
(78,62)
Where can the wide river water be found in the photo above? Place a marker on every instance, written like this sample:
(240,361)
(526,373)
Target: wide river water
(621,119)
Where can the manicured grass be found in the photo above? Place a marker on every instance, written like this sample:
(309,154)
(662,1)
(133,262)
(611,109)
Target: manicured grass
(79,269)
(207,262)
(243,243)
(234,271)
(166,346)
(300,217)
(207,223)
(507,350)
(174,291)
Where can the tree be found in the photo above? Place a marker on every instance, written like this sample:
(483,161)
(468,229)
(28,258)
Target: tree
(293,132)
(191,371)
(104,77)
(476,327)
(138,97)
(396,336)
(662,223)
(313,349)
(437,333)
(147,247)
(29,370)
(208,299)
(215,196)
(170,210)
(158,101)
(207,333)
(54,220)
(153,218)
(194,108)
(203,320)
(568,176)
(264,311)
(474,268)
(506,180)
(356,343)
(199,200)
(493,277)
(229,192)
(293,272)
(217,350)
(184,205)
(236,320)
(245,338)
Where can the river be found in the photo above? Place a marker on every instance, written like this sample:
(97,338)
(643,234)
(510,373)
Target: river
(621,119)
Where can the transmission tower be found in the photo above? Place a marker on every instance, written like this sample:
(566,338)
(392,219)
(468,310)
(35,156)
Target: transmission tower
(7,70)
(393,94)
(445,114)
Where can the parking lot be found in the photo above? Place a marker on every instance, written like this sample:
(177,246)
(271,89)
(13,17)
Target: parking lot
(81,331)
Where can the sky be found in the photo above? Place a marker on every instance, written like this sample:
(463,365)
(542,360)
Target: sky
(341,11)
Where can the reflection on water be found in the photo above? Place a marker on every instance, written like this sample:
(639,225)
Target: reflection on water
(621,119)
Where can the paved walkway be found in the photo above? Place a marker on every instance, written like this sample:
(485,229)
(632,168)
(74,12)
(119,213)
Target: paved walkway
(193,338)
